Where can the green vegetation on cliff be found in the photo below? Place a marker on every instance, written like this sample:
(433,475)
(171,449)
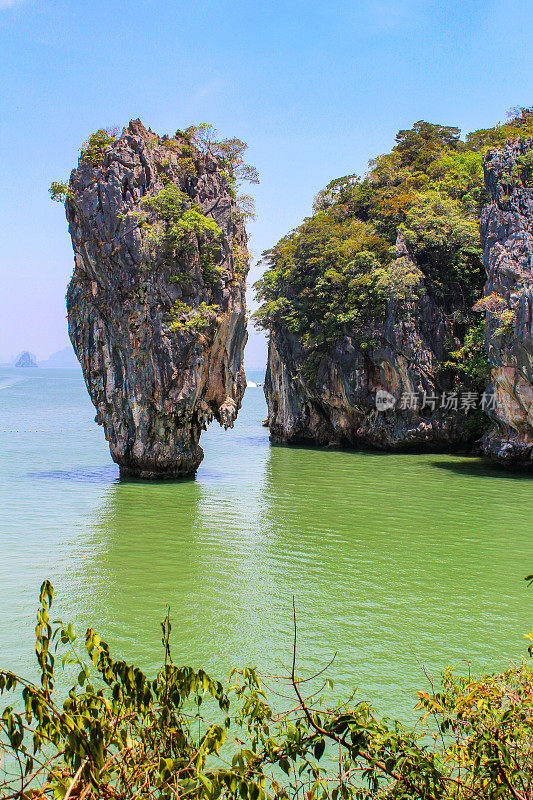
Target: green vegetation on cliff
(92,151)
(171,224)
(335,273)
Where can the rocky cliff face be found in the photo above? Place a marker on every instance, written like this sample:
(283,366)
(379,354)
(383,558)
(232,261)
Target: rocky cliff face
(388,395)
(507,228)
(156,306)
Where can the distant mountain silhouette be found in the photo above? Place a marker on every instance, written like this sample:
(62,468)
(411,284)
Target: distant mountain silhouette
(63,359)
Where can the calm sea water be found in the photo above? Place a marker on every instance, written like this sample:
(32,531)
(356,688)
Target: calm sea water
(395,560)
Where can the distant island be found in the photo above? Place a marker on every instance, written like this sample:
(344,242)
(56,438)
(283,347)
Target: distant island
(62,359)
(25,359)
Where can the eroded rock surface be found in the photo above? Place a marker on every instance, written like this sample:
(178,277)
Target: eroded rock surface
(507,228)
(156,305)
(339,404)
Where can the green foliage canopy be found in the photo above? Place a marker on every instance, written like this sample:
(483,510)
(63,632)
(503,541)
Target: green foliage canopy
(171,224)
(335,273)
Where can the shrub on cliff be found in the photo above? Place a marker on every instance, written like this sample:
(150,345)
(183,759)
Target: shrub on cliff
(120,734)
(92,150)
(229,152)
(444,238)
(58,191)
(173,223)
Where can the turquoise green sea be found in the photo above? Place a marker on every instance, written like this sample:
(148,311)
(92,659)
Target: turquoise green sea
(395,561)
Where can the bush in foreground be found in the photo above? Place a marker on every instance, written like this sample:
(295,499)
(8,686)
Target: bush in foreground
(121,734)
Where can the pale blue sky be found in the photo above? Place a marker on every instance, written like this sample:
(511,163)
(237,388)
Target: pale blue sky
(316,89)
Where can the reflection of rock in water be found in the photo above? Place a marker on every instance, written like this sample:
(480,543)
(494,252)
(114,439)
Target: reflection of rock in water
(195,545)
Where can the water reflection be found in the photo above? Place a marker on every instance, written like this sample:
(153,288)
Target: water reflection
(390,557)
(395,563)
(141,553)
(391,563)
(195,545)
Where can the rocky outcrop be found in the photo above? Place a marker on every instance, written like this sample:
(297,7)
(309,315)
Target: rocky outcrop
(507,228)
(386,392)
(156,306)
(25,360)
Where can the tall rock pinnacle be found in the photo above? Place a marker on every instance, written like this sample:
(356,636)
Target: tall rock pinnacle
(156,305)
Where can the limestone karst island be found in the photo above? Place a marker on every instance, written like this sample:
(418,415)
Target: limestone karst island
(156,306)
(266,394)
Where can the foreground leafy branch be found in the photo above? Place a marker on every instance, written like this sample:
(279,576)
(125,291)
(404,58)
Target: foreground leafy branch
(119,734)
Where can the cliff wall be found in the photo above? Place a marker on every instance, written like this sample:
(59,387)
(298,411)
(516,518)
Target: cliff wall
(387,395)
(507,229)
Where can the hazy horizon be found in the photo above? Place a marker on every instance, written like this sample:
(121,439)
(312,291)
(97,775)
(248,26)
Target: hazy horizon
(254,359)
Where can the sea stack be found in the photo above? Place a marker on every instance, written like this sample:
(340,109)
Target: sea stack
(156,303)
(507,230)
